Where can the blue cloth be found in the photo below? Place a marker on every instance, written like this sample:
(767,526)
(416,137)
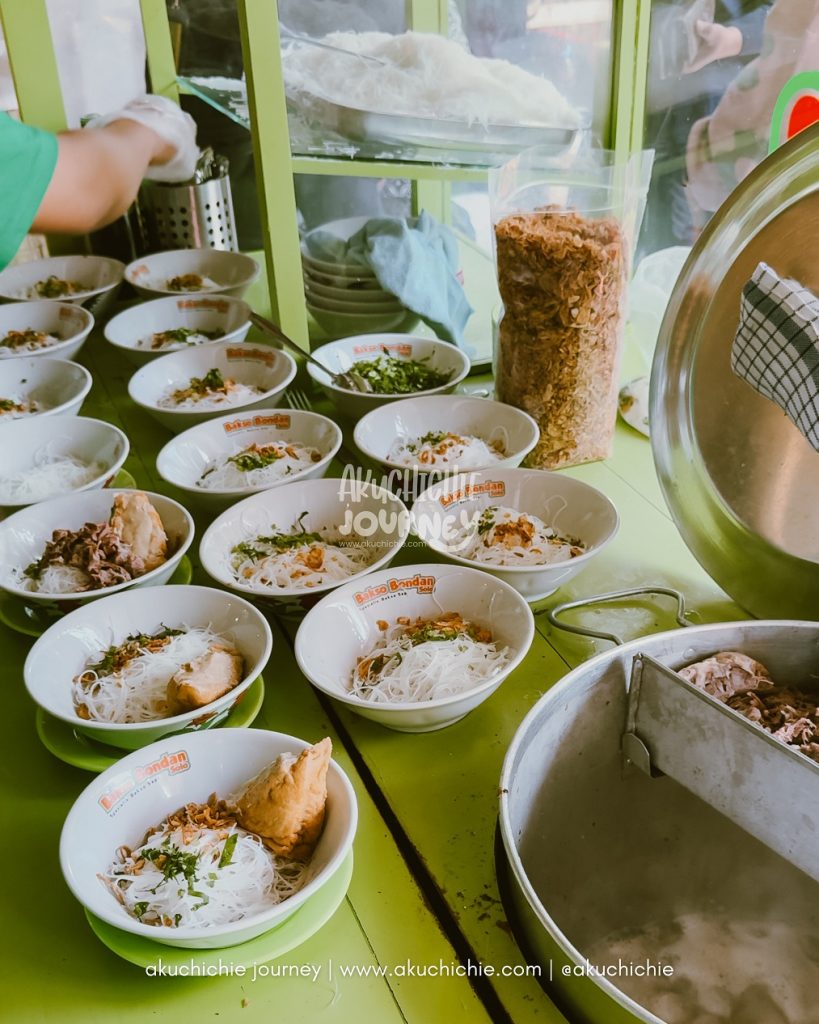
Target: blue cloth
(416,260)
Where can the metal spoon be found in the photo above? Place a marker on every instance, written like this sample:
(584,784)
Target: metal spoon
(350,380)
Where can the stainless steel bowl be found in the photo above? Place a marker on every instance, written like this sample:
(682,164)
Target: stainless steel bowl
(741,481)
(592,850)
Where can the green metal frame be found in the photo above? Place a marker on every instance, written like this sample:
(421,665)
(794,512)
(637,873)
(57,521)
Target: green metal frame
(31,54)
(158,48)
(259,24)
(33,65)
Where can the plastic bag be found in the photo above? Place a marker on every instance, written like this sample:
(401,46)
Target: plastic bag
(565,227)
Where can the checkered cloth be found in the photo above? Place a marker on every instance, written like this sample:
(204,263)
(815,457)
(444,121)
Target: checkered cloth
(776,348)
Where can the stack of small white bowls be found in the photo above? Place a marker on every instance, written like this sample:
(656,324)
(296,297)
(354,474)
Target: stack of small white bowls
(344,297)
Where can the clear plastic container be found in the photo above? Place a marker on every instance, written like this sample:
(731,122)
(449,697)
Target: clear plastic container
(564,236)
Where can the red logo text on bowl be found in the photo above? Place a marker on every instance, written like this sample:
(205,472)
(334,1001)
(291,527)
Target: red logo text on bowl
(279,420)
(125,783)
(261,355)
(421,584)
(494,488)
(218,305)
(401,347)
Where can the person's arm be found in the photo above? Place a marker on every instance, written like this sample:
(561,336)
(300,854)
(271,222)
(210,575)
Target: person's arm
(97,176)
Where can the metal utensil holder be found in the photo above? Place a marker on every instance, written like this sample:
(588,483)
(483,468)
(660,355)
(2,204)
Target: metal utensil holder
(188,216)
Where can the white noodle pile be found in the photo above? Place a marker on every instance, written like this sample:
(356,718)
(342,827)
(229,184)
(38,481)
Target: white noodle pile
(290,569)
(48,476)
(462,450)
(487,544)
(253,881)
(426,76)
(170,346)
(224,475)
(32,346)
(138,692)
(237,395)
(29,407)
(164,284)
(55,579)
(413,673)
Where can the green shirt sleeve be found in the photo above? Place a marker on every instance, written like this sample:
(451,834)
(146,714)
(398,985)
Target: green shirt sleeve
(28,157)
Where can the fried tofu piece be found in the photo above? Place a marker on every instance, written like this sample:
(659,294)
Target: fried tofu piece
(138,525)
(284,805)
(206,678)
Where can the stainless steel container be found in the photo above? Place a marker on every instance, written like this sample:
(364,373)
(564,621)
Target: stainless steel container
(188,216)
(589,849)
(592,850)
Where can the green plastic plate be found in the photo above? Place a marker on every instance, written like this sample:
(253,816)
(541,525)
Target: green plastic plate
(76,749)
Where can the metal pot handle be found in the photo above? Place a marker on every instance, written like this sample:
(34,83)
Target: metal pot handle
(615,595)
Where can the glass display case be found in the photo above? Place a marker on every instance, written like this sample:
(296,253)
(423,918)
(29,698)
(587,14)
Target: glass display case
(321,134)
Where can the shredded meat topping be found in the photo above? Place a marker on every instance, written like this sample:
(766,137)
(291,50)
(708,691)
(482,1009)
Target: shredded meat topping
(745,685)
(98,550)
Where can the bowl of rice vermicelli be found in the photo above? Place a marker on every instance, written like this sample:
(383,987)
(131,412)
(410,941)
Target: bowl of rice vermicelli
(445,434)
(534,529)
(209,839)
(43,329)
(66,551)
(152,329)
(47,458)
(140,664)
(415,647)
(185,388)
(219,462)
(192,272)
(84,280)
(41,387)
(289,545)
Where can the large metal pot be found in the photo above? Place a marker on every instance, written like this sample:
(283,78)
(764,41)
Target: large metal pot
(592,849)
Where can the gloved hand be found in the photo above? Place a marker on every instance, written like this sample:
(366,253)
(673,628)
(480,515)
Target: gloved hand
(169,122)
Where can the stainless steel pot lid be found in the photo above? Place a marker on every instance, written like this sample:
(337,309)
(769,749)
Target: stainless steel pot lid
(741,482)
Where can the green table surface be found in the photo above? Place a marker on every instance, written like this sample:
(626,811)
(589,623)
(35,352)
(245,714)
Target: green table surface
(424,889)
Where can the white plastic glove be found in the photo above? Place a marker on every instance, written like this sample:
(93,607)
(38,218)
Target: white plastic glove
(171,123)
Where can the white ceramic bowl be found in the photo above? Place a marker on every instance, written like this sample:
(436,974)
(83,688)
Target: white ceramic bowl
(67,321)
(100,277)
(343,627)
(24,535)
(142,789)
(85,439)
(573,508)
(132,329)
(338,275)
(341,298)
(233,272)
(341,323)
(259,366)
(59,387)
(184,459)
(342,354)
(413,417)
(333,287)
(341,229)
(80,637)
(350,306)
(383,521)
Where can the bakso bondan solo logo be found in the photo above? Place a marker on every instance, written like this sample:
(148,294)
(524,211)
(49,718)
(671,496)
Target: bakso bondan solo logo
(128,782)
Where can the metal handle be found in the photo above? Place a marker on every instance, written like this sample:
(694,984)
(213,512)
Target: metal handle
(615,595)
(275,332)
